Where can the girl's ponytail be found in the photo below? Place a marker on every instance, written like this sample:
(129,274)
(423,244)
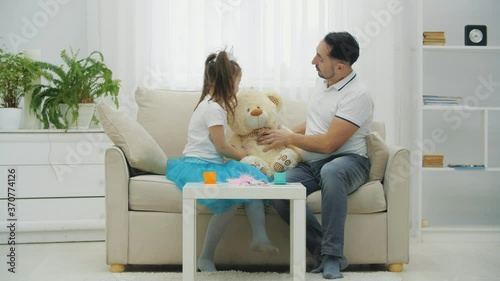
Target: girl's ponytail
(220,73)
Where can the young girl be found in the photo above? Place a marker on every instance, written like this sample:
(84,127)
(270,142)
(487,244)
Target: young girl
(205,151)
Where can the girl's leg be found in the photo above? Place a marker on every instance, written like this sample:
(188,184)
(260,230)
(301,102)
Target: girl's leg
(216,228)
(256,216)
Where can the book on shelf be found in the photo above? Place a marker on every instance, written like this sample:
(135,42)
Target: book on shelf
(434,34)
(428,165)
(467,166)
(432,160)
(434,38)
(434,42)
(436,102)
(434,156)
(441,100)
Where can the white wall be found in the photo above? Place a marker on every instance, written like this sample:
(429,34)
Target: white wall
(459,13)
(48,25)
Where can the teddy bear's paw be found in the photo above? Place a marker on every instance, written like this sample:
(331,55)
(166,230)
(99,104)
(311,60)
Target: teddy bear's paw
(258,165)
(262,169)
(283,163)
(278,168)
(286,160)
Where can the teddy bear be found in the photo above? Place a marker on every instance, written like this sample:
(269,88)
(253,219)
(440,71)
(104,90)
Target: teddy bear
(255,112)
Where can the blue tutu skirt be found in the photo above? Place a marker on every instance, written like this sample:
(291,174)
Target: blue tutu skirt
(190,169)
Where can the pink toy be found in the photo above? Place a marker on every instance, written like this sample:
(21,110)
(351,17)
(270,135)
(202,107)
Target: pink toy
(246,180)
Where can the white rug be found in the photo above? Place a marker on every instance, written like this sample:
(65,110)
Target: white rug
(238,276)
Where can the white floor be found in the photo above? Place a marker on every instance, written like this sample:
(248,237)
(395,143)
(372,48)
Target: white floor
(453,262)
(86,261)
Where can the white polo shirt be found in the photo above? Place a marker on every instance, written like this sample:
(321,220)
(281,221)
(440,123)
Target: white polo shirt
(348,99)
(207,114)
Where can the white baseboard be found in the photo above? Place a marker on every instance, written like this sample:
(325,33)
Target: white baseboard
(461,235)
(55,231)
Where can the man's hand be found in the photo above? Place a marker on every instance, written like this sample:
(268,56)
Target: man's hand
(274,138)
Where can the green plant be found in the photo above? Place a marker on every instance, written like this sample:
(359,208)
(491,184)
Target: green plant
(76,81)
(16,77)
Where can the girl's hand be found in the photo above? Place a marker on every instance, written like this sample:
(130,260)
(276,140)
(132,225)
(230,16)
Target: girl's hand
(244,151)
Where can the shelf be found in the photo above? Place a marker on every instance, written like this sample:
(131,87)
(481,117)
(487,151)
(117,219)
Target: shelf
(458,204)
(462,48)
(464,228)
(459,107)
(446,169)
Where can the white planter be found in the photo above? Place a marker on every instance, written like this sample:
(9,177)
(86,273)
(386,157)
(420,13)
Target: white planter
(30,120)
(86,111)
(11,118)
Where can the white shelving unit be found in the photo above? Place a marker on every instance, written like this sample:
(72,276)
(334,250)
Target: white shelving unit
(459,204)
(480,49)
(59,185)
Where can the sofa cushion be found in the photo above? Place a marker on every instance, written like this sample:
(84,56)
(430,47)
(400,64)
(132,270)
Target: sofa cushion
(368,198)
(154,193)
(379,127)
(140,149)
(158,194)
(165,115)
(378,153)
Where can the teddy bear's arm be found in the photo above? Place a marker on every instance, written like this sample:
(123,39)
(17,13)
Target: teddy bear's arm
(296,150)
(292,147)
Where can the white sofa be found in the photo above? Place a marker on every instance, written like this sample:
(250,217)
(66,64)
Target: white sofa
(144,211)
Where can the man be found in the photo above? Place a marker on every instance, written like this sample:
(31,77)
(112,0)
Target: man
(339,117)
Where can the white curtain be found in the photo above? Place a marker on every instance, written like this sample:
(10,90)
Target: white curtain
(163,44)
(387,33)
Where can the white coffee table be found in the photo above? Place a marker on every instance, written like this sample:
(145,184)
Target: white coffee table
(295,192)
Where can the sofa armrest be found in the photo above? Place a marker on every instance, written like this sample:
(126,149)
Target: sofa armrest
(397,194)
(117,181)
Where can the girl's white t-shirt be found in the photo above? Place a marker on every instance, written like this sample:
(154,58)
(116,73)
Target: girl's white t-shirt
(199,144)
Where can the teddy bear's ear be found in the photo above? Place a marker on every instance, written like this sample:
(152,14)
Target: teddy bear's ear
(276,99)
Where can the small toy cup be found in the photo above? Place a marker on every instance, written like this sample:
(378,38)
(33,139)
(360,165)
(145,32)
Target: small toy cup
(280,178)
(209,177)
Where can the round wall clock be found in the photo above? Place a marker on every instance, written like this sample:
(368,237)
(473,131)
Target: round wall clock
(475,35)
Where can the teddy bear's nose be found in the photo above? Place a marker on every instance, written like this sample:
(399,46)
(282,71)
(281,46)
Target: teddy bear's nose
(256,112)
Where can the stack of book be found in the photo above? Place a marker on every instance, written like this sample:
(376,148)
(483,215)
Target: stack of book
(434,38)
(441,100)
(433,160)
(467,166)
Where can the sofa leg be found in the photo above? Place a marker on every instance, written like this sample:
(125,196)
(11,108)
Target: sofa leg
(117,268)
(395,267)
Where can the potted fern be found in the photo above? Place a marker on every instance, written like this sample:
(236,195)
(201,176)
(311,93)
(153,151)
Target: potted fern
(17,74)
(67,99)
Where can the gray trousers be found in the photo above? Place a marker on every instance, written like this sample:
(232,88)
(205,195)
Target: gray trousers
(336,176)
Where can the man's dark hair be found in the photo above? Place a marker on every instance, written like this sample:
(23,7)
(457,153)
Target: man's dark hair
(344,46)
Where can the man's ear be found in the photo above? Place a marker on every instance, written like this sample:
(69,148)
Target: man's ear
(340,66)
(276,99)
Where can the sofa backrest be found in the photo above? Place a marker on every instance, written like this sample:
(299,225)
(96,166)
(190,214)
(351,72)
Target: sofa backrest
(165,114)
(379,127)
